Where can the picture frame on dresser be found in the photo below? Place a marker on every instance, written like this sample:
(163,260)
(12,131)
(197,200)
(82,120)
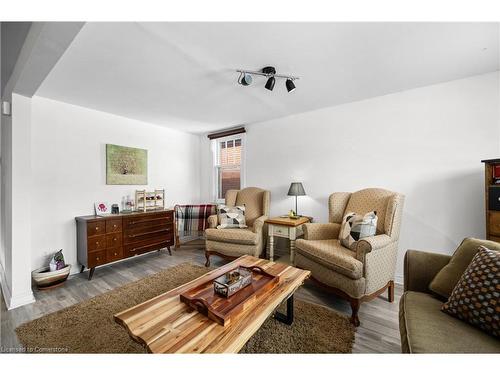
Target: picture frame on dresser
(103,239)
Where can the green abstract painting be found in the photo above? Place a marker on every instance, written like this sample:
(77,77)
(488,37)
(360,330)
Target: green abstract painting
(126,165)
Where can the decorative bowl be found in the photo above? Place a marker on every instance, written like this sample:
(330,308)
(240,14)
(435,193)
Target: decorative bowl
(45,279)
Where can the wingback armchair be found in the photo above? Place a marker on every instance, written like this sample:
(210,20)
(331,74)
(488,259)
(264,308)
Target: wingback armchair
(232,243)
(361,274)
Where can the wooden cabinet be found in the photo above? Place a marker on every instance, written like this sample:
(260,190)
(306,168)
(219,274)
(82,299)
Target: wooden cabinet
(492,198)
(105,239)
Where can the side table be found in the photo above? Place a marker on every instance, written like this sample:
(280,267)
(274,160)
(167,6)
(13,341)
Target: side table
(286,228)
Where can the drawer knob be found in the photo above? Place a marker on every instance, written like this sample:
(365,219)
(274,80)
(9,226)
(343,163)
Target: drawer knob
(97,243)
(114,239)
(116,254)
(96,228)
(114,225)
(97,258)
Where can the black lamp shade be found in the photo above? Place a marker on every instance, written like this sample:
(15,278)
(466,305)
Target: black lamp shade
(296,189)
(290,86)
(270,83)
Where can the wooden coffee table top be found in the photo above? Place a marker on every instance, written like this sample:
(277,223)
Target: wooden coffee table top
(287,221)
(164,324)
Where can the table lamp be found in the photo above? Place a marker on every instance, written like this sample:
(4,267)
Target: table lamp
(296,189)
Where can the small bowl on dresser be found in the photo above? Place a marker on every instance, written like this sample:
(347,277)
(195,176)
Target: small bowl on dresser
(45,279)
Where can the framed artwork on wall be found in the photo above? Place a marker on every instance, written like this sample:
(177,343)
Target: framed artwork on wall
(126,165)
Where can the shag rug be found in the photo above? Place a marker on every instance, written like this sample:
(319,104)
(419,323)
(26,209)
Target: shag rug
(88,327)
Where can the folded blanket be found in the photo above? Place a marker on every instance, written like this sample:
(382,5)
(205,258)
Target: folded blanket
(192,219)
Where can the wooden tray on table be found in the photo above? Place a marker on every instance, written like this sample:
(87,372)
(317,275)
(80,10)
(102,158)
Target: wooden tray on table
(221,309)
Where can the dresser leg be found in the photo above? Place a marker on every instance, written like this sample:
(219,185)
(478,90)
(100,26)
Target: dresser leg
(169,252)
(91,273)
(82,269)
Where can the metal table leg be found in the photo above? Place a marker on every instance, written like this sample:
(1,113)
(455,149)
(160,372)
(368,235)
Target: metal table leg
(288,317)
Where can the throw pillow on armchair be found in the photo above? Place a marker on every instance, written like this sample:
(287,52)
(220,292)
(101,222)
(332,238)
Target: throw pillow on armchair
(231,217)
(356,227)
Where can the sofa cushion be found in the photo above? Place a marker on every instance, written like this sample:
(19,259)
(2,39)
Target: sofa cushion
(331,254)
(446,279)
(354,288)
(424,328)
(476,296)
(233,235)
(356,227)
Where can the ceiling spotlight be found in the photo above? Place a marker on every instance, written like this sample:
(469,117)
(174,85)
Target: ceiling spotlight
(269,72)
(270,83)
(245,79)
(290,86)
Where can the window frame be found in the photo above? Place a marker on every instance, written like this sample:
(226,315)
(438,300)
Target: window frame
(216,166)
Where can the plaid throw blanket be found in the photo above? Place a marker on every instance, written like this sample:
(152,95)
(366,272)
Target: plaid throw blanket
(193,219)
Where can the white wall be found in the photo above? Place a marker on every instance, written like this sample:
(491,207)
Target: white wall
(426,143)
(69,169)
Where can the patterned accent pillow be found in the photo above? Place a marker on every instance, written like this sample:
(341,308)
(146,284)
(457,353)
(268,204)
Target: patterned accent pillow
(355,227)
(476,297)
(231,217)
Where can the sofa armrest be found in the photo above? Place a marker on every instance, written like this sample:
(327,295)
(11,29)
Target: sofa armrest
(420,267)
(258,224)
(213,221)
(317,231)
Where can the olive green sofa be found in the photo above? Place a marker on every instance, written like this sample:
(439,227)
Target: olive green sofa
(424,328)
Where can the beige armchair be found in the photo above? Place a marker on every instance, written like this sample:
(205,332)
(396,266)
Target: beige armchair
(364,273)
(234,242)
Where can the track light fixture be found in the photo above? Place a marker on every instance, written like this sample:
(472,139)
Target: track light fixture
(245,78)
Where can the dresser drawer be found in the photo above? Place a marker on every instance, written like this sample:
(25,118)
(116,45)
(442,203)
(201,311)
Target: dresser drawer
(113,226)
(145,246)
(141,221)
(96,243)
(114,254)
(494,223)
(114,239)
(96,228)
(96,258)
(140,234)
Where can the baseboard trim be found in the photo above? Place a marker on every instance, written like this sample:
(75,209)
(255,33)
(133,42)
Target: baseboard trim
(14,301)
(21,300)
(5,286)
(399,279)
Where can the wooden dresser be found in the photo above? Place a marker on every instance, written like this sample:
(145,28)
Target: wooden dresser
(105,239)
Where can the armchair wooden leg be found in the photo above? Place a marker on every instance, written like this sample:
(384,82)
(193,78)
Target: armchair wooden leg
(207,256)
(355,308)
(390,291)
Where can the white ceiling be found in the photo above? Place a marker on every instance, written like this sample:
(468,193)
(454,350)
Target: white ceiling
(182,75)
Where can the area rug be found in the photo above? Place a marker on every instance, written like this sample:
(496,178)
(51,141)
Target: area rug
(88,327)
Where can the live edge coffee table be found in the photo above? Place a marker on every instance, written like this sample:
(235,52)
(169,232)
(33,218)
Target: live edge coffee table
(165,324)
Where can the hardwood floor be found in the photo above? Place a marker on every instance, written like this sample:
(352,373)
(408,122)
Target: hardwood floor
(378,332)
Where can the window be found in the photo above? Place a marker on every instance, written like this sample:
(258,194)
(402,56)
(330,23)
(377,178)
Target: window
(228,157)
